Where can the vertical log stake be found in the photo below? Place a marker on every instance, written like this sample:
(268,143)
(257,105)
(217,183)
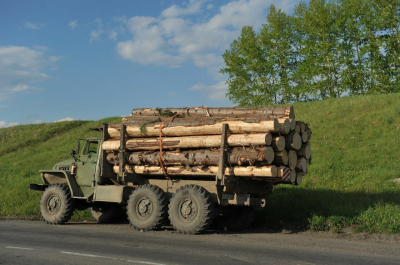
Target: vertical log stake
(220,179)
(121,153)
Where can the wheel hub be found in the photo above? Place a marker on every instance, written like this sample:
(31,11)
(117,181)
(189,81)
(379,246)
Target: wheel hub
(53,203)
(187,209)
(144,207)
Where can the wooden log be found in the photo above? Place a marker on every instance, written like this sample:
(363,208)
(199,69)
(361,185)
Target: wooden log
(292,124)
(293,141)
(282,111)
(299,178)
(292,159)
(250,171)
(199,157)
(190,142)
(304,151)
(301,165)
(236,127)
(302,126)
(284,126)
(278,143)
(281,158)
(309,133)
(297,129)
(304,137)
(293,176)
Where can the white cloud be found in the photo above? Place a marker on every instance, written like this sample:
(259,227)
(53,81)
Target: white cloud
(112,35)
(95,34)
(216,92)
(4,124)
(173,38)
(180,34)
(20,67)
(73,24)
(66,119)
(30,25)
(21,88)
(193,7)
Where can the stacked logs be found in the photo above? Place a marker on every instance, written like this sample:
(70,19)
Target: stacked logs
(263,143)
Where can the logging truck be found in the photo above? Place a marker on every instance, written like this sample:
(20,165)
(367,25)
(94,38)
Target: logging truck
(185,170)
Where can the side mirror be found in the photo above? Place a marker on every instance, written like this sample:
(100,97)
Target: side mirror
(73,153)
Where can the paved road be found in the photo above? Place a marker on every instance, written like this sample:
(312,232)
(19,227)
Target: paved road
(23,242)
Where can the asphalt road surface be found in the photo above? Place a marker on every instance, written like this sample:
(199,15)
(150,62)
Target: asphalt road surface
(29,242)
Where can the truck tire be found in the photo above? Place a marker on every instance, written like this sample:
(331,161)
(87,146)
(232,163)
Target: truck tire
(191,209)
(56,204)
(147,207)
(236,219)
(106,213)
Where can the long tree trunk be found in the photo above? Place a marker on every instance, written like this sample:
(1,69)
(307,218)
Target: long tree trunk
(189,142)
(193,128)
(279,112)
(236,156)
(250,171)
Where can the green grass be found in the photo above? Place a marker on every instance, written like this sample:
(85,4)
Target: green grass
(355,155)
(26,149)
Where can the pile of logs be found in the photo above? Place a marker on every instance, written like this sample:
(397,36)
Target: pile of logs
(263,143)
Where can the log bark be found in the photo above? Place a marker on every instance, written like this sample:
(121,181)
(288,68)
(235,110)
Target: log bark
(190,142)
(285,111)
(250,171)
(236,156)
(195,128)
(284,126)
(278,143)
(292,159)
(281,158)
(304,151)
(293,141)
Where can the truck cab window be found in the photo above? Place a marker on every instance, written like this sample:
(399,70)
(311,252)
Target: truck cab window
(90,148)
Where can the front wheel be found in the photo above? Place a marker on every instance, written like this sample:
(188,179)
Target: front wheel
(57,204)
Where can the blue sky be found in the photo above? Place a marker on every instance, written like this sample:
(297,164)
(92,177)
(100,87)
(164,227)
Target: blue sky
(64,60)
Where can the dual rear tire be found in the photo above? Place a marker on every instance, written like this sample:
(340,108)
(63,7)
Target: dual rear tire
(190,209)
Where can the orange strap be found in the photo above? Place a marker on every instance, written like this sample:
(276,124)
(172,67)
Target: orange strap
(161,159)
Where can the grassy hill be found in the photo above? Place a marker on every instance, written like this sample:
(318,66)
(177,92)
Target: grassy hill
(355,157)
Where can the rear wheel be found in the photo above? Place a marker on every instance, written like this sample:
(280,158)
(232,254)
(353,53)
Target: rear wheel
(147,207)
(106,213)
(191,209)
(56,204)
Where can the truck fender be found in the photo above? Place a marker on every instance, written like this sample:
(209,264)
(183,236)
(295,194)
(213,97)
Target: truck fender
(50,177)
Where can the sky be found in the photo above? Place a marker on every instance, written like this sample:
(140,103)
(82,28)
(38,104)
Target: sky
(92,59)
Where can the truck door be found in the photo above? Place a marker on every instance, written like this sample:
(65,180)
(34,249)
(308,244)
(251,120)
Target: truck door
(86,166)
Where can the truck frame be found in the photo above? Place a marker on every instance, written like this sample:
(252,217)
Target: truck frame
(191,204)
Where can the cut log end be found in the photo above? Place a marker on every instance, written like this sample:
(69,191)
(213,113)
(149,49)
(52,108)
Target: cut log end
(284,126)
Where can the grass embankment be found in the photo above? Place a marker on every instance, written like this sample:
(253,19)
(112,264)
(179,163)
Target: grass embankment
(355,155)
